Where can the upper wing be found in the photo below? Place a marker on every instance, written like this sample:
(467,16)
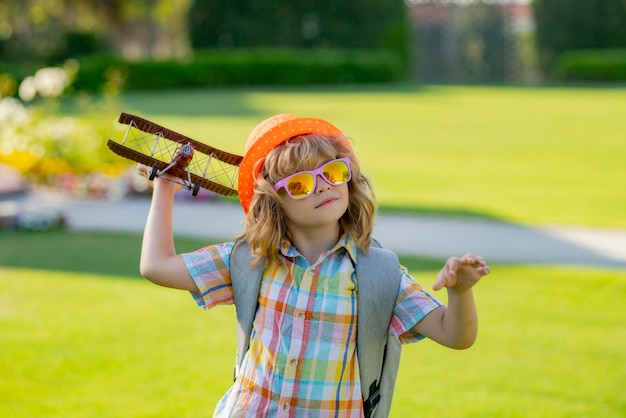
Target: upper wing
(152,128)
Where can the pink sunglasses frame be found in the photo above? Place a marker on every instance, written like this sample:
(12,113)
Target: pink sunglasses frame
(314,172)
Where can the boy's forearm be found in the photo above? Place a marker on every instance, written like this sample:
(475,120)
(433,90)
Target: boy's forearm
(460,321)
(159,262)
(158,239)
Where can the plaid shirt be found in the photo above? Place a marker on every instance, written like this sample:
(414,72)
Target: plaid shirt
(302,359)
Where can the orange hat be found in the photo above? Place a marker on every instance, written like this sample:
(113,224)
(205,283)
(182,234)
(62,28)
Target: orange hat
(268,135)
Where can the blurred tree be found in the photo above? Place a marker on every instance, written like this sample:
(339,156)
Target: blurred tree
(565,25)
(481,35)
(42,31)
(301,24)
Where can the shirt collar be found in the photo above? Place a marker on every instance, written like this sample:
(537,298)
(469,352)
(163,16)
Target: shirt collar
(288,250)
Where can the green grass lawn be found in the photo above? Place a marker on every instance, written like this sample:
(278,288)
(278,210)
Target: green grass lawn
(83,336)
(521,154)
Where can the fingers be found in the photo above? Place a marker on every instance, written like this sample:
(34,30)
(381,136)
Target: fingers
(144,170)
(461,273)
(477,262)
(484,270)
(444,279)
(447,275)
(470,259)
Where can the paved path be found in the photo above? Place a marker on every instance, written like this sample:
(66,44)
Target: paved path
(428,236)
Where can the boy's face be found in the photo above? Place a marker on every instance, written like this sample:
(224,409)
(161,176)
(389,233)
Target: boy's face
(317,197)
(323,208)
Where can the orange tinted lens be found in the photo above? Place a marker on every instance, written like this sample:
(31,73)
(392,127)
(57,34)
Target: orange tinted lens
(301,185)
(336,172)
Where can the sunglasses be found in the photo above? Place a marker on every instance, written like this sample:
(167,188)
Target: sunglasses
(302,184)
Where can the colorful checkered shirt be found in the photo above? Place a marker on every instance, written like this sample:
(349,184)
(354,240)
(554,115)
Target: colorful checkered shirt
(302,359)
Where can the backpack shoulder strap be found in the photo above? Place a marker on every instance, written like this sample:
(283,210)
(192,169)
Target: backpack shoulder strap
(378,278)
(246,282)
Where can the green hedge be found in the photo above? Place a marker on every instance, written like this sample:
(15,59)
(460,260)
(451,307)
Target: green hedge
(592,65)
(354,24)
(573,25)
(242,67)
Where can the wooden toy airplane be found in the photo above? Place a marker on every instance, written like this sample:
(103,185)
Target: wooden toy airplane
(190,163)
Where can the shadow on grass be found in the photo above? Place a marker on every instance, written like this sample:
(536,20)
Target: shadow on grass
(88,252)
(235,101)
(201,102)
(440,212)
(114,254)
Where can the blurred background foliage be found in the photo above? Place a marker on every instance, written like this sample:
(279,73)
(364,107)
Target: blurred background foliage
(472,40)
(566,26)
(55,52)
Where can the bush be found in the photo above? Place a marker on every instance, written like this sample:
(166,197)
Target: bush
(267,66)
(362,24)
(76,43)
(571,25)
(592,65)
(99,72)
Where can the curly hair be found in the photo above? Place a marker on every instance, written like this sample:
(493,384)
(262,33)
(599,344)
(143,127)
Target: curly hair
(264,224)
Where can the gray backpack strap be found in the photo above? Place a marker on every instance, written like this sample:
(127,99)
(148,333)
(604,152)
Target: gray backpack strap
(378,281)
(246,282)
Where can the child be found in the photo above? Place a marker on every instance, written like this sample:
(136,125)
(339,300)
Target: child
(308,207)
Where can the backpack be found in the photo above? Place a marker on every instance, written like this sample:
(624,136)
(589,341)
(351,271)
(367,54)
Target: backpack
(378,353)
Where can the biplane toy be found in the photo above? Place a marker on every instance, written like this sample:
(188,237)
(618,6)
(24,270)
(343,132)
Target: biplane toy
(177,158)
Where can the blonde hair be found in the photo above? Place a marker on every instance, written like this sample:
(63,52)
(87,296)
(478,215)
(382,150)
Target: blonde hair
(264,224)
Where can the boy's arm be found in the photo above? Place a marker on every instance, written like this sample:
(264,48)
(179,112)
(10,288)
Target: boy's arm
(159,262)
(456,325)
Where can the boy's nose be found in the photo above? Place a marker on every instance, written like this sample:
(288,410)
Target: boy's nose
(321,184)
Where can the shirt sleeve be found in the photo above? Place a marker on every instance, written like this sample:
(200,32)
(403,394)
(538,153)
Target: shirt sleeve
(412,305)
(209,269)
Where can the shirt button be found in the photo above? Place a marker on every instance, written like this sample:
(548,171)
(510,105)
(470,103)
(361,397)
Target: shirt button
(293,362)
(311,272)
(301,316)
(285,407)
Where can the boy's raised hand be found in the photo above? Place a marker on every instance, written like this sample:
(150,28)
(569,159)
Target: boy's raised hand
(144,171)
(461,273)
